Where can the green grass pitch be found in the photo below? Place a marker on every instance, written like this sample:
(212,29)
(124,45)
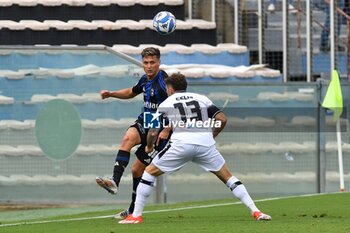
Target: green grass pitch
(320,213)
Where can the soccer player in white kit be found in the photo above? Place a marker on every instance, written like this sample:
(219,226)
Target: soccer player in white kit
(195,121)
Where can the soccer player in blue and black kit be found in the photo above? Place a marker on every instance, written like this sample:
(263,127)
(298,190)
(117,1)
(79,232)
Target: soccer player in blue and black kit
(153,87)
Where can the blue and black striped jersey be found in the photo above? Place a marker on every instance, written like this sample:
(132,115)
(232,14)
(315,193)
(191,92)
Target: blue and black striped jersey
(154,91)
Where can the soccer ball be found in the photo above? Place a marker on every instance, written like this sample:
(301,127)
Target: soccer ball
(164,22)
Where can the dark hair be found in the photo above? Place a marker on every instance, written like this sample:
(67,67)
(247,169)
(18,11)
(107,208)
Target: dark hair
(177,81)
(150,51)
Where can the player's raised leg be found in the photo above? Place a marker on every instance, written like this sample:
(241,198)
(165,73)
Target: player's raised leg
(130,139)
(240,192)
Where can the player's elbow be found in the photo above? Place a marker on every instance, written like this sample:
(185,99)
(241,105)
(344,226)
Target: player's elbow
(222,118)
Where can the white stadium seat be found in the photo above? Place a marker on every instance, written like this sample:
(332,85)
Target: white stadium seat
(272,96)
(31,3)
(223,96)
(35,25)
(11,150)
(206,49)
(232,48)
(107,25)
(99,2)
(116,71)
(124,2)
(125,48)
(130,24)
(181,49)
(201,24)
(77,2)
(173,2)
(268,73)
(10,74)
(16,125)
(4,100)
(6,3)
(83,24)
(304,121)
(12,25)
(59,25)
(51,2)
(40,98)
(27,2)
(149,2)
(31,150)
(260,121)
(76,99)
(182,25)
(148,23)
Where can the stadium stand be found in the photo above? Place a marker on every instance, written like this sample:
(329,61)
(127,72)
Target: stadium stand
(96,22)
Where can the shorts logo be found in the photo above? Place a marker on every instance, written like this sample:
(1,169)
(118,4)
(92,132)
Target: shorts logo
(151,120)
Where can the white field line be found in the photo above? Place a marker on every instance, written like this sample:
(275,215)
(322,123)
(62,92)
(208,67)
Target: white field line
(159,211)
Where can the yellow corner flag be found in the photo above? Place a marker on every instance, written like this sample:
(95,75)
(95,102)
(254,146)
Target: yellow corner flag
(334,99)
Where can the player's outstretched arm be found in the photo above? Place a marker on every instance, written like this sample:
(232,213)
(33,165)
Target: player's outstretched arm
(126,93)
(222,118)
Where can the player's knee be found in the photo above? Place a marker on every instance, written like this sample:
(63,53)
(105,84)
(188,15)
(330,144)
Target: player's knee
(136,171)
(128,142)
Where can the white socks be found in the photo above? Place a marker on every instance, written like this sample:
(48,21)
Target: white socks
(143,191)
(241,193)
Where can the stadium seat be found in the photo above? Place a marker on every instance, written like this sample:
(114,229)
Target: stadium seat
(83,25)
(206,49)
(59,25)
(10,74)
(99,2)
(223,96)
(181,49)
(201,24)
(52,2)
(131,24)
(35,25)
(27,2)
(12,25)
(125,2)
(303,121)
(16,125)
(272,96)
(260,121)
(40,98)
(128,49)
(11,150)
(232,48)
(107,25)
(6,3)
(4,100)
(75,99)
(268,73)
(31,150)
(182,25)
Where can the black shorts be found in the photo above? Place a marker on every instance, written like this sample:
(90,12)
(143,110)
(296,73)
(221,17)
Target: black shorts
(140,153)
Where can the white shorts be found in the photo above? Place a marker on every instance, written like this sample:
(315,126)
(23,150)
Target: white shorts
(177,155)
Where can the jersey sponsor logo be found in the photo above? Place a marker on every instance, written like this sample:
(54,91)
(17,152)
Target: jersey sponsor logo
(150,105)
(151,120)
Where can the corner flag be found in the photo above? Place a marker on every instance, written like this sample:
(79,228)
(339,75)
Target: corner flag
(334,99)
